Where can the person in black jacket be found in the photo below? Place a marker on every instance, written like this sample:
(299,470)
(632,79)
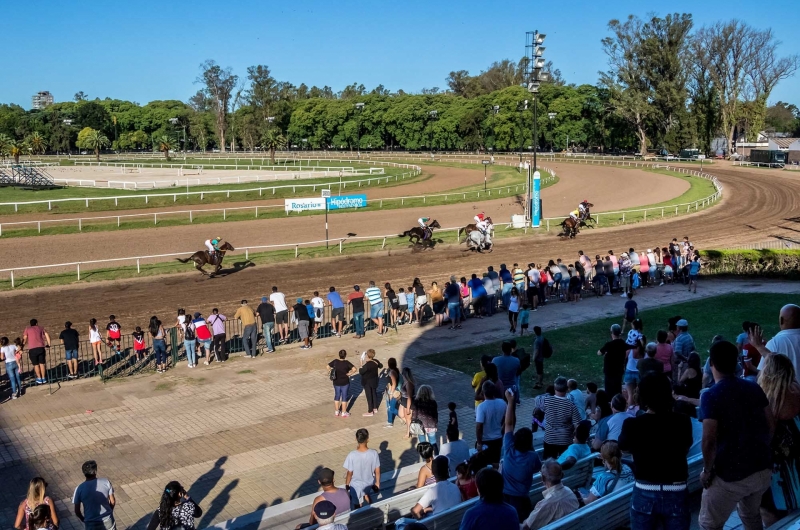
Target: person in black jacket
(370,369)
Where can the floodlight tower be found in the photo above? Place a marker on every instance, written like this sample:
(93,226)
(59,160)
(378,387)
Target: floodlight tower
(535,75)
(359,110)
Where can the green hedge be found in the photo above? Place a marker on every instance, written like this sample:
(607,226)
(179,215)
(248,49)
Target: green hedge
(784,264)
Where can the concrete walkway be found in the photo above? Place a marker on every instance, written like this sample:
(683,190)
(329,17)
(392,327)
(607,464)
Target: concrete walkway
(250,434)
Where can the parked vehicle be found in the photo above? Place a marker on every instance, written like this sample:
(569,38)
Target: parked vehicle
(772,158)
(689,153)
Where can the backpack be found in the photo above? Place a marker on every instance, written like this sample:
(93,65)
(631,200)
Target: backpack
(547,349)
(189,334)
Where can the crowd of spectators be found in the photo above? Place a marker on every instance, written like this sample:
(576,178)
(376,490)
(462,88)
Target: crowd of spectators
(658,407)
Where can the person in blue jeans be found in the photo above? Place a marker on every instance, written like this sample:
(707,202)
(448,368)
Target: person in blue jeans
(356,300)
(8,354)
(452,294)
(659,442)
(392,386)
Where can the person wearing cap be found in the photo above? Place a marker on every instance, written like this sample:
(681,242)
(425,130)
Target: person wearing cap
(249,333)
(203,335)
(323,513)
(266,312)
(356,300)
(339,497)
(625,269)
(683,344)
(303,322)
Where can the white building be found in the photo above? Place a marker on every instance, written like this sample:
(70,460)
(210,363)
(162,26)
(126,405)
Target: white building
(41,99)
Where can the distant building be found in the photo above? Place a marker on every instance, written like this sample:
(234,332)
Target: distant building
(41,99)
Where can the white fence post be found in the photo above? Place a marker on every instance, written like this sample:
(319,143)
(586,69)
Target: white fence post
(79,272)
(12,279)
(138,269)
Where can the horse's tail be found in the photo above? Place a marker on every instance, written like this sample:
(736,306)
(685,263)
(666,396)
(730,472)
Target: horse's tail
(187,260)
(407,233)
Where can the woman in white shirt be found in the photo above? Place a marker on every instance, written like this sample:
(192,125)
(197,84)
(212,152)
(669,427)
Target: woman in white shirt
(96,340)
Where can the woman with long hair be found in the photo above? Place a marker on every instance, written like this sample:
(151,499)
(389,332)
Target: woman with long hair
(426,410)
(37,496)
(615,474)
(406,402)
(603,401)
(421,298)
(96,340)
(425,475)
(176,509)
(392,391)
(513,309)
(777,379)
(159,343)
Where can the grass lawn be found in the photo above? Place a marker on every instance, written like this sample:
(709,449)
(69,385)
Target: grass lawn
(575,347)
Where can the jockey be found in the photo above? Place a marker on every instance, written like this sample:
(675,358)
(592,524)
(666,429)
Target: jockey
(483,224)
(423,223)
(213,246)
(575,215)
(583,208)
(479,218)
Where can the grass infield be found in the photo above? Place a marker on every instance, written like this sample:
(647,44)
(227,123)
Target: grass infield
(575,347)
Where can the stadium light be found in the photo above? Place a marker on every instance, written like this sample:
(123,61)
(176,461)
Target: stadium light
(359,109)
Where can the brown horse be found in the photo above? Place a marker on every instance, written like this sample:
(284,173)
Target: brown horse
(201,258)
(417,232)
(470,227)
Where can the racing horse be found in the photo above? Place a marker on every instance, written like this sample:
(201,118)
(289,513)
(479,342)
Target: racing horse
(471,227)
(418,233)
(202,258)
(477,241)
(571,227)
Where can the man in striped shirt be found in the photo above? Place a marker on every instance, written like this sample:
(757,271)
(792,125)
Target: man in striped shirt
(375,298)
(561,417)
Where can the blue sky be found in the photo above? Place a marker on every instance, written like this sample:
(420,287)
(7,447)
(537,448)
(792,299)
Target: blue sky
(141,52)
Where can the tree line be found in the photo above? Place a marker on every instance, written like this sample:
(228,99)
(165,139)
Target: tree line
(667,85)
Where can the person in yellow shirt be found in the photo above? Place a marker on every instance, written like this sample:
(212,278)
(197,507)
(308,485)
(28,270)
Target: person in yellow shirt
(249,332)
(478,379)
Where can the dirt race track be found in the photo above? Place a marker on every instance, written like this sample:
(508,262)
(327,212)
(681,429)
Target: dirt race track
(757,205)
(599,184)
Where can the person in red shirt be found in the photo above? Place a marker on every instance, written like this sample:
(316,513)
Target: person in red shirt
(37,339)
(113,333)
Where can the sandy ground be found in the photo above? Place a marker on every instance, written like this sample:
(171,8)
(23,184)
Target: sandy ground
(608,188)
(152,178)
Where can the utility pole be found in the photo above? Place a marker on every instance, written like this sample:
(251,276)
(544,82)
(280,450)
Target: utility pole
(534,51)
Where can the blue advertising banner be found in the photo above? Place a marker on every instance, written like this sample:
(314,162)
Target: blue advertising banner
(347,201)
(536,212)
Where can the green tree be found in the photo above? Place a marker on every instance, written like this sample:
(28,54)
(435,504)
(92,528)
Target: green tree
(5,145)
(273,140)
(219,87)
(37,143)
(92,139)
(165,143)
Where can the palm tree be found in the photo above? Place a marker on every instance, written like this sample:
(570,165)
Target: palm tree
(95,140)
(16,149)
(273,140)
(5,146)
(165,144)
(36,143)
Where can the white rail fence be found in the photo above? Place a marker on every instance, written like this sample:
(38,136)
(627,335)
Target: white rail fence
(203,194)
(192,213)
(662,210)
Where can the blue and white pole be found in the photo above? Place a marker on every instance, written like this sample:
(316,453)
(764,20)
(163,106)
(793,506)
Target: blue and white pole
(536,211)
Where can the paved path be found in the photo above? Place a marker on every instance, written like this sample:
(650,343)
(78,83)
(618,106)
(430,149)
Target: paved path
(247,434)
